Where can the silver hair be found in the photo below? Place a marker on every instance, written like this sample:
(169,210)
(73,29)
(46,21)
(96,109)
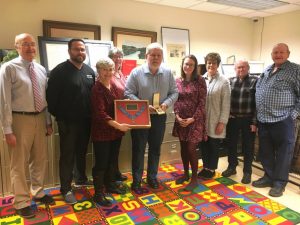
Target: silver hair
(154,45)
(241,61)
(115,51)
(105,63)
(20,37)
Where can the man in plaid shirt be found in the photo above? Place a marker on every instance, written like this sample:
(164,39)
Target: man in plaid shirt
(242,119)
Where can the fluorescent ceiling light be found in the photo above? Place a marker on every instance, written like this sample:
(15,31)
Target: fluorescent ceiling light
(251,4)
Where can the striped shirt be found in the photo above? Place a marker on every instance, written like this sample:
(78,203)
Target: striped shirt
(278,94)
(243,96)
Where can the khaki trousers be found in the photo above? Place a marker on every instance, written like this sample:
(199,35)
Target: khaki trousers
(30,152)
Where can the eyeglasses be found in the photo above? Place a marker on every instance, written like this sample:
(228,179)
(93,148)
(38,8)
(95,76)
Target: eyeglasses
(155,55)
(189,64)
(28,44)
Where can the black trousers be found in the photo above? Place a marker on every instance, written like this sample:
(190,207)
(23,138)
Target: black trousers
(210,152)
(105,154)
(74,139)
(276,148)
(236,126)
(154,137)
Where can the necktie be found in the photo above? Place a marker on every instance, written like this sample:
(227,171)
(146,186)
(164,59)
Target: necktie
(38,102)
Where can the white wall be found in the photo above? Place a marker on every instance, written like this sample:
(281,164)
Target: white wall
(275,29)
(208,32)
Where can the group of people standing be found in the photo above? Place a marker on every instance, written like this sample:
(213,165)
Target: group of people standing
(82,103)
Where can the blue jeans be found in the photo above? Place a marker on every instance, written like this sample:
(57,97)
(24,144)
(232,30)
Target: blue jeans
(276,147)
(154,136)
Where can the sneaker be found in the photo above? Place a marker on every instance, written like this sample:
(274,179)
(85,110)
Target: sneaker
(246,178)
(26,212)
(46,199)
(70,198)
(229,172)
(84,184)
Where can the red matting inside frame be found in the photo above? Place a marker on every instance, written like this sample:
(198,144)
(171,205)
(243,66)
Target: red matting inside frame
(133,112)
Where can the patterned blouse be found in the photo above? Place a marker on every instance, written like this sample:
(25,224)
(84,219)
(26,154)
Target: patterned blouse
(191,103)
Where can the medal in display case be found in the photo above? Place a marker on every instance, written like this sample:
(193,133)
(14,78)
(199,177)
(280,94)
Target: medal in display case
(133,112)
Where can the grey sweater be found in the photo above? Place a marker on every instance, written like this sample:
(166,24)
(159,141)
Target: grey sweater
(217,103)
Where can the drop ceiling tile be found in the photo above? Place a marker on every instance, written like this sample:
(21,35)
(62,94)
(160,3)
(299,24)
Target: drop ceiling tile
(291,1)
(203,5)
(257,14)
(209,7)
(283,9)
(149,1)
(179,3)
(235,11)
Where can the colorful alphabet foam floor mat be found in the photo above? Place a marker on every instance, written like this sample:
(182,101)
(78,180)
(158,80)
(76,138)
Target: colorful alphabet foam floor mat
(217,201)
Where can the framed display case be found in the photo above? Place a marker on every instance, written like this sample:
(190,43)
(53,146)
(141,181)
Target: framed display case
(133,112)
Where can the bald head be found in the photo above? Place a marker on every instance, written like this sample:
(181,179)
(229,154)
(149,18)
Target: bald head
(26,46)
(22,36)
(280,54)
(241,68)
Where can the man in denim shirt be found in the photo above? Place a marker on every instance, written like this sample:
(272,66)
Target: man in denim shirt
(278,105)
(146,81)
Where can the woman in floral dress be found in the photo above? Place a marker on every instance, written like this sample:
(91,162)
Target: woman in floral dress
(190,118)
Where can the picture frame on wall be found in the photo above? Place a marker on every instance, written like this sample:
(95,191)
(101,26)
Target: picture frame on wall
(133,42)
(176,45)
(71,30)
(55,50)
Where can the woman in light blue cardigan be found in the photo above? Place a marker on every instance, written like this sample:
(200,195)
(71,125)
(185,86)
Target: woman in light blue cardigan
(217,113)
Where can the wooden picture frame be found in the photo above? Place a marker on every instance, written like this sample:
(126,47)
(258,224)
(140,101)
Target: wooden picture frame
(133,112)
(133,42)
(71,30)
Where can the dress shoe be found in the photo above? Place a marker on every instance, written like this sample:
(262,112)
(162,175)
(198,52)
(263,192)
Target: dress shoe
(246,178)
(25,212)
(116,188)
(120,177)
(262,182)
(46,199)
(182,179)
(202,172)
(229,172)
(206,174)
(153,183)
(136,186)
(276,191)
